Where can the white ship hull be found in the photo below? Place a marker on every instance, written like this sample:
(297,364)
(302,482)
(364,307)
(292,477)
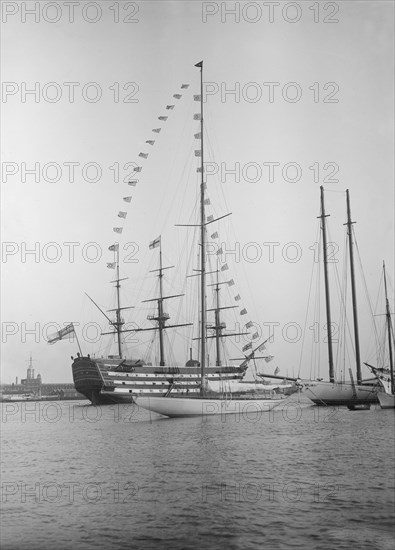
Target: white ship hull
(190,406)
(336,393)
(386,400)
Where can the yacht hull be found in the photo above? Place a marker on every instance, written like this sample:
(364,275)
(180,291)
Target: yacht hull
(195,406)
(386,400)
(338,394)
(386,397)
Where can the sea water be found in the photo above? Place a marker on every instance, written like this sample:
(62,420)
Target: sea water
(75,476)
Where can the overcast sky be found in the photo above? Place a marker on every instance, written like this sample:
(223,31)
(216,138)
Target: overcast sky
(312,91)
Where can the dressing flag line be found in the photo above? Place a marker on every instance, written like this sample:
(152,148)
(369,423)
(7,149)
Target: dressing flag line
(60,334)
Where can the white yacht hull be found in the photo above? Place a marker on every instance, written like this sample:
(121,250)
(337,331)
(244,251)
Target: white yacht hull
(386,400)
(196,406)
(337,394)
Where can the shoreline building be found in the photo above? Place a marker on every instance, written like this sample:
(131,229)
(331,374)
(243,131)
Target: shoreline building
(35,388)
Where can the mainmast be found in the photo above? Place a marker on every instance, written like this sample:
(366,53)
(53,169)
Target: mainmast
(161,317)
(388,317)
(327,295)
(353,290)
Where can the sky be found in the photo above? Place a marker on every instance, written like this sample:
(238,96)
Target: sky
(296,96)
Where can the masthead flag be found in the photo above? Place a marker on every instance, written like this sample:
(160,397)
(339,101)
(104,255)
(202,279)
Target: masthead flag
(200,64)
(155,243)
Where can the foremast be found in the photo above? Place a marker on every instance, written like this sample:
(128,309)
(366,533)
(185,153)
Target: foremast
(119,322)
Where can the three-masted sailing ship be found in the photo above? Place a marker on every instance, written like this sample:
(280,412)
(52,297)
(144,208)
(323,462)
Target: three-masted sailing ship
(385,374)
(334,392)
(208,400)
(118,379)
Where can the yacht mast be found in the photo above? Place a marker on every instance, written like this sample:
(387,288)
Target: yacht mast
(388,316)
(353,290)
(202,244)
(327,295)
